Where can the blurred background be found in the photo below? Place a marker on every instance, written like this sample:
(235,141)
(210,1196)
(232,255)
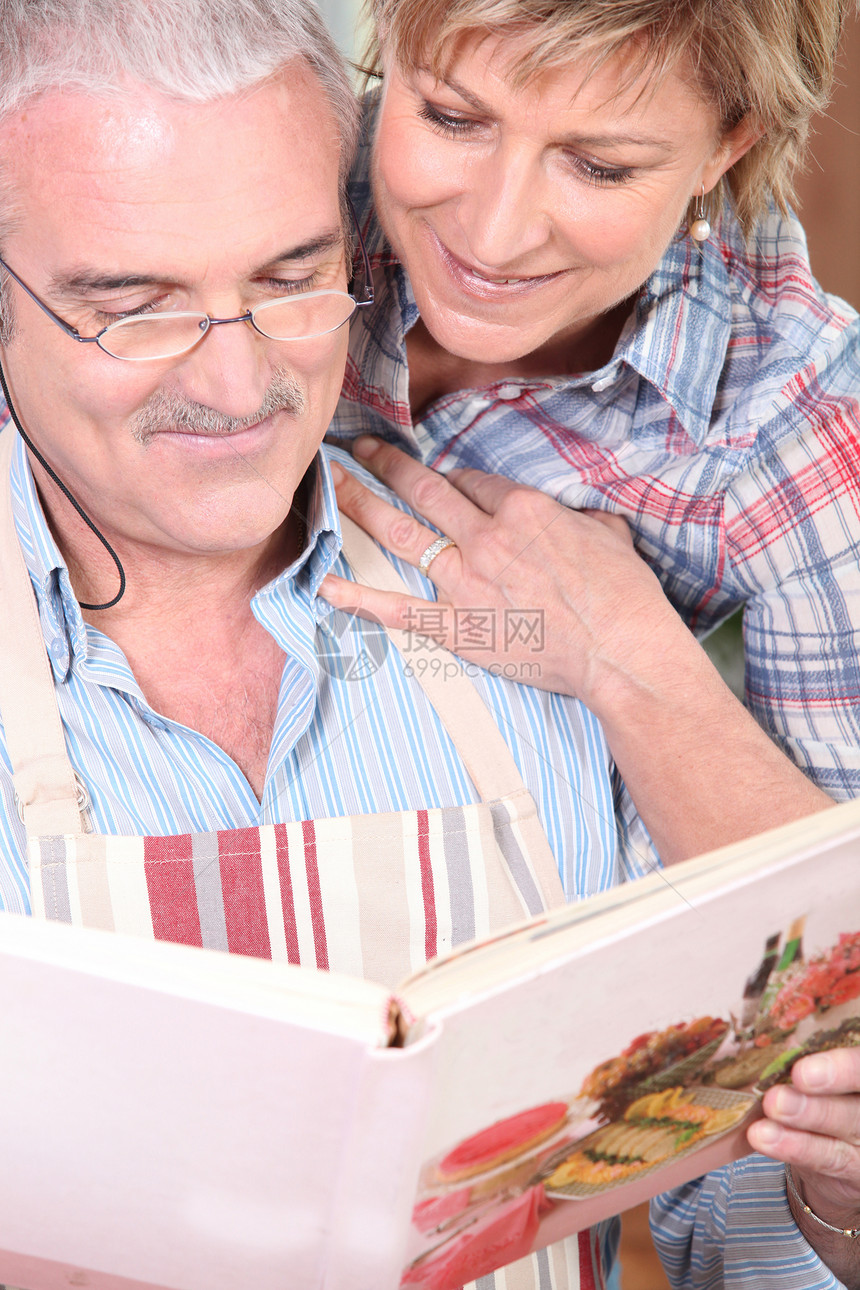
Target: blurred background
(829,205)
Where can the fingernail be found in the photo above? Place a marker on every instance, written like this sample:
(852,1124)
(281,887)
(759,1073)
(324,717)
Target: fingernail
(816,1071)
(788,1101)
(338,473)
(766,1134)
(365,446)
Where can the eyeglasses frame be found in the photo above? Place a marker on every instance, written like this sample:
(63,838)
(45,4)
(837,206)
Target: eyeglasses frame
(247,316)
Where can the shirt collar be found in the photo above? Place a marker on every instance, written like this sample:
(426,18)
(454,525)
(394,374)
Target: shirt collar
(678,334)
(63,626)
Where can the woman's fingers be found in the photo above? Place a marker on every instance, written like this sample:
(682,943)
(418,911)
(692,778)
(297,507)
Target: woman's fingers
(425,490)
(615,523)
(813,1124)
(822,1133)
(834,1072)
(408,613)
(399,533)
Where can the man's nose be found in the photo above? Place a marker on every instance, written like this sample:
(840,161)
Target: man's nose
(505,213)
(229,370)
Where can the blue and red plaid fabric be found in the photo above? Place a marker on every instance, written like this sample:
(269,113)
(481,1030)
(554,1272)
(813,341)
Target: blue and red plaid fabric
(726,428)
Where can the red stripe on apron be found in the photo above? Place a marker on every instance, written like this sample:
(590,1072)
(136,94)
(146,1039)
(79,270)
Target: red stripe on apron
(315,894)
(172,892)
(243,892)
(427,887)
(282,853)
(587,1254)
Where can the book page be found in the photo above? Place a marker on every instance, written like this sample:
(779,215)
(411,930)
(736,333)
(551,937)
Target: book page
(634,1054)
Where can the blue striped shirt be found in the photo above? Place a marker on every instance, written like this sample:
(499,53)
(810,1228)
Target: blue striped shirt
(354,733)
(734,1229)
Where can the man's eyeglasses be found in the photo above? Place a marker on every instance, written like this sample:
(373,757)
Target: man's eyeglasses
(143,337)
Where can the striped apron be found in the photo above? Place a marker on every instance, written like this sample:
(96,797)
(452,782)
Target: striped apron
(373,895)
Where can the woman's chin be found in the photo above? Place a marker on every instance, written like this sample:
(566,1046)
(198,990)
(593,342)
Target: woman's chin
(480,340)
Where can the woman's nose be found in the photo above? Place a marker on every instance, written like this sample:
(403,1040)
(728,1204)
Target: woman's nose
(504,213)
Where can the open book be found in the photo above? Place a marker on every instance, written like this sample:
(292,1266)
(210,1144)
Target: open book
(177,1117)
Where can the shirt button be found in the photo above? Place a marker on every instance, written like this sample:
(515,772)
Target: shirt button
(508,392)
(604,382)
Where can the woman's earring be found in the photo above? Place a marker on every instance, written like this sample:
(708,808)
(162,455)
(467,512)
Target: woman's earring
(700,229)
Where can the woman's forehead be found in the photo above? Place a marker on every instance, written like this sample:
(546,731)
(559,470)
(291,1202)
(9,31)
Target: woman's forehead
(488,68)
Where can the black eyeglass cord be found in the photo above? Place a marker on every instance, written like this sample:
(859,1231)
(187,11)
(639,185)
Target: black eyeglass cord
(109,604)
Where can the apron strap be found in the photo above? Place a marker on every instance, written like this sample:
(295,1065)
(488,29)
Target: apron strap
(41,772)
(461,709)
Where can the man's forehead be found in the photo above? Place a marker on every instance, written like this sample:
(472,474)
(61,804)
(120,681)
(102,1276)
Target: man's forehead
(141,167)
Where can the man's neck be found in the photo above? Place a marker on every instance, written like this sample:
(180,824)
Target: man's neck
(160,582)
(187,630)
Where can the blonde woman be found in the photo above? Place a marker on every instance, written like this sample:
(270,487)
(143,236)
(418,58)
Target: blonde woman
(589,284)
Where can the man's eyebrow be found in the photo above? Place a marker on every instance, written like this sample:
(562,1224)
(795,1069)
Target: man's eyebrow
(328,241)
(567,140)
(86,281)
(82,282)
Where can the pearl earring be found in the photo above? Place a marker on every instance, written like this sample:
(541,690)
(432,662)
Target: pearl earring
(700,229)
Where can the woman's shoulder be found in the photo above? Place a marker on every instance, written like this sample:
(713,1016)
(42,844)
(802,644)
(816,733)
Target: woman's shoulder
(771,280)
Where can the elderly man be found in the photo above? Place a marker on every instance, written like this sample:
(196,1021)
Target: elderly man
(188,750)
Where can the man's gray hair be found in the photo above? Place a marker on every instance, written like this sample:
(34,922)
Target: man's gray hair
(193,50)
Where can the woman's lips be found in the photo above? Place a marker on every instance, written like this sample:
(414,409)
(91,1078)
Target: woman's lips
(488,287)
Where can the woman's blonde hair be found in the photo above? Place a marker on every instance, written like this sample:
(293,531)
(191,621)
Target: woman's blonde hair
(771,61)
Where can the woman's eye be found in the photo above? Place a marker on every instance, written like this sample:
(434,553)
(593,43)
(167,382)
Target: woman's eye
(598,174)
(447,122)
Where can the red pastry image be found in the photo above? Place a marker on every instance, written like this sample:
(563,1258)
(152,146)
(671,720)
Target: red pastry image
(502,1141)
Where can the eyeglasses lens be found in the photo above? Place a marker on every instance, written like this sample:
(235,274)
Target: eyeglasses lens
(303,317)
(167,335)
(154,335)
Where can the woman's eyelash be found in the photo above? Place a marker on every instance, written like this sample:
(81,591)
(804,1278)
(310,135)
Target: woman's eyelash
(452,125)
(597,174)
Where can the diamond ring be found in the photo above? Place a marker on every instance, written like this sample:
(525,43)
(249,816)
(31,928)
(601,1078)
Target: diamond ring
(435,548)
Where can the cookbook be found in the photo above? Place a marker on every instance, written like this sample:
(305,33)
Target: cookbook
(177,1117)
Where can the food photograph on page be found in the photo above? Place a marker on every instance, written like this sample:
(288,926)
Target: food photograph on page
(482,1202)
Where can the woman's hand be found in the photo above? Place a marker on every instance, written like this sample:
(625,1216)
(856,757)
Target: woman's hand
(813,1125)
(556,596)
(560,599)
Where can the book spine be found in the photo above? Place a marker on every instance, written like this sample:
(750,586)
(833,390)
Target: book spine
(379,1168)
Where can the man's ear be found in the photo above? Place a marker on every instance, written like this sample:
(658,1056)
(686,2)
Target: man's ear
(731,147)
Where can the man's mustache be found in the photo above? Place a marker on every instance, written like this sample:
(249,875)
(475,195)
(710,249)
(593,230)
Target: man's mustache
(167,410)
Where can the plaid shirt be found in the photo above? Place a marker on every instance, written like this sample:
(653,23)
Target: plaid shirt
(725,428)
